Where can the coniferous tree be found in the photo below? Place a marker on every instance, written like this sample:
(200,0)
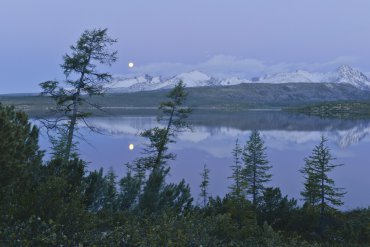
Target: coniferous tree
(20,164)
(204,185)
(275,209)
(255,170)
(311,184)
(94,191)
(174,115)
(110,192)
(239,185)
(130,188)
(19,149)
(33,196)
(319,189)
(82,77)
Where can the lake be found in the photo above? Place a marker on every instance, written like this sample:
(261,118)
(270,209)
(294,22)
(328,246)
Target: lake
(289,138)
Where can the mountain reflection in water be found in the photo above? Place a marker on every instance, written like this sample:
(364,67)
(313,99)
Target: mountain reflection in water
(289,138)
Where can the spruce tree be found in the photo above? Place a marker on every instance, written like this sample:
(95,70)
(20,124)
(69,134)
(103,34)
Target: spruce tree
(19,149)
(256,166)
(204,185)
(94,190)
(110,192)
(239,185)
(319,190)
(20,164)
(82,78)
(130,188)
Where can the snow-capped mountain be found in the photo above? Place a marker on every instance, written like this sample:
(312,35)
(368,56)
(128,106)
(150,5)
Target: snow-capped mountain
(296,76)
(195,78)
(344,74)
(141,83)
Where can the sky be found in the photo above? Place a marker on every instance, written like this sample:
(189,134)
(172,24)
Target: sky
(165,37)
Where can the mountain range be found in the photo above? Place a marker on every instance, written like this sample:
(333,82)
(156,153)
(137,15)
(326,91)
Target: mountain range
(343,74)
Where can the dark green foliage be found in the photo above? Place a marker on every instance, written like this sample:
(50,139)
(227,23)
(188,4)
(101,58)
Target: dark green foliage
(158,196)
(356,226)
(59,197)
(130,188)
(20,163)
(276,210)
(149,199)
(39,204)
(18,146)
(319,190)
(101,193)
(94,190)
(240,210)
(255,171)
(32,232)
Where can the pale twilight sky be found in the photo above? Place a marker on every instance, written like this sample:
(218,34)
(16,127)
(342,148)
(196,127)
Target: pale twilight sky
(220,37)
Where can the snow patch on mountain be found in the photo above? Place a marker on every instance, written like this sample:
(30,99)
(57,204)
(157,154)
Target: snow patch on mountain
(347,74)
(296,76)
(193,78)
(344,74)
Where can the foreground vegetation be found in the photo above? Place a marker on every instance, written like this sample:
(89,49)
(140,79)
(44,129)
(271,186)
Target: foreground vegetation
(59,203)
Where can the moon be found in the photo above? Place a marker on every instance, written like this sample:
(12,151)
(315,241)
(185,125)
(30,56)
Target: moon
(130,65)
(131,146)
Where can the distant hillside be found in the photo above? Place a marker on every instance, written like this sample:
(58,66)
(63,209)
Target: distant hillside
(245,95)
(339,110)
(265,94)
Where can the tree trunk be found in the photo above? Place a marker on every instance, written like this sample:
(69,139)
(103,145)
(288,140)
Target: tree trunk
(73,122)
(164,140)
(71,127)
(322,192)
(254,180)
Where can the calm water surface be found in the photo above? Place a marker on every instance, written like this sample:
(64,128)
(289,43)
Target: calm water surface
(289,138)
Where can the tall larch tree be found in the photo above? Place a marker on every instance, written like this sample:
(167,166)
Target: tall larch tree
(256,166)
(83,79)
(320,190)
(239,185)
